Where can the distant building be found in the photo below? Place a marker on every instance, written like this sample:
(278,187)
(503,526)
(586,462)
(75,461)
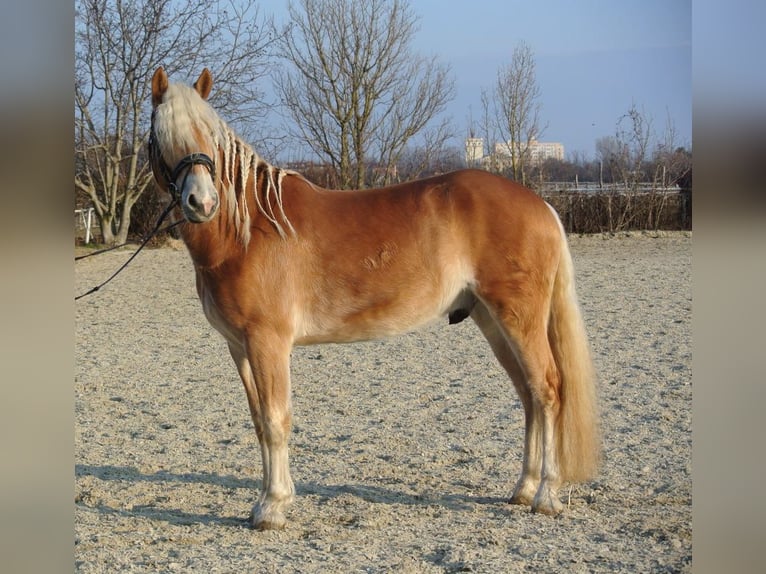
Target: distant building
(537,152)
(474,150)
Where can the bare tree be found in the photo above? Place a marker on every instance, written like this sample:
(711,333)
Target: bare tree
(634,136)
(673,162)
(488,131)
(626,157)
(354,89)
(118,45)
(608,153)
(512,109)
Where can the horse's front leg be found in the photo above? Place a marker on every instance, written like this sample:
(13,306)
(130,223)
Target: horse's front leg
(265,371)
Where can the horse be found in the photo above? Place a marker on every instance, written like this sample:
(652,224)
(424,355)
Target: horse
(280,261)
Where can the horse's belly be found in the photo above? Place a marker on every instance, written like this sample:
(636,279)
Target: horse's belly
(348,322)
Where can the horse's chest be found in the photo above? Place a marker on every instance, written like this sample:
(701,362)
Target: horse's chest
(214,315)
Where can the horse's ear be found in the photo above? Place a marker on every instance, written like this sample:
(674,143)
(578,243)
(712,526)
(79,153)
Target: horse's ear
(204,84)
(159,86)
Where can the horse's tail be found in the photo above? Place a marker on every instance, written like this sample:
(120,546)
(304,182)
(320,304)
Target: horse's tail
(577,431)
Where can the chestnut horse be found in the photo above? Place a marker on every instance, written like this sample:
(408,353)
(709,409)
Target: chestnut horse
(281,262)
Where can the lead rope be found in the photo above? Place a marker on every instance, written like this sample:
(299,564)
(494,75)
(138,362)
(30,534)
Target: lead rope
(146,240)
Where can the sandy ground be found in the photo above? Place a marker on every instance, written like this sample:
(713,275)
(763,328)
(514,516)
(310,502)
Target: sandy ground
(403,452)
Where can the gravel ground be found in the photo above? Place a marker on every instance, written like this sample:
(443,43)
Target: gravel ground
(404,451)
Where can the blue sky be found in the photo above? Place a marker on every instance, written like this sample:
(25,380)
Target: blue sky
(595,59)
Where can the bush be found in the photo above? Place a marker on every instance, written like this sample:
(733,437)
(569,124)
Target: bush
(611,212)
(145,214)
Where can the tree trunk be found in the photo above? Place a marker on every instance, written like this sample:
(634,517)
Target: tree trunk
(107,229)
(122,232)
(124,228)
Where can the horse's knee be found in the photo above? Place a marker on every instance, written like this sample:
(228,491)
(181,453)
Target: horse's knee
(276,427)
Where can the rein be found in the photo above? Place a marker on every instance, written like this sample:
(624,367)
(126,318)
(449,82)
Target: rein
(171,177)
(153,233)
(113,247)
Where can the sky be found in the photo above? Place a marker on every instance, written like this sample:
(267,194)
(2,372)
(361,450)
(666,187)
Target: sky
(595,59)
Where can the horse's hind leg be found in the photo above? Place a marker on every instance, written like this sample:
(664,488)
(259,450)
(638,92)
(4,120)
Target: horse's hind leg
(524,323)
(536,359)
(529,480)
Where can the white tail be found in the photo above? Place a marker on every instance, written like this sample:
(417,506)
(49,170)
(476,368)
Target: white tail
(577,431)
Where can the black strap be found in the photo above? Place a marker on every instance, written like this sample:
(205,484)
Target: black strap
(153,233)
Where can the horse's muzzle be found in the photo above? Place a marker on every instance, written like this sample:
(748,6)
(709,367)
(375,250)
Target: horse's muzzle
(200,208)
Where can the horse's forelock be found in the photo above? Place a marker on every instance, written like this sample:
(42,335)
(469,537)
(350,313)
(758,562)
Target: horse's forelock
(183,115)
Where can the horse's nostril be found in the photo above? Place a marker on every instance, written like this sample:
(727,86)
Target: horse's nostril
(201,205)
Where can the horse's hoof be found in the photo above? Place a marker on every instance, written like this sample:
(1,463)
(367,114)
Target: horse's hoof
(547,510)
(267,519)
(270,524)
(523,495)
(548,505)
(520,500)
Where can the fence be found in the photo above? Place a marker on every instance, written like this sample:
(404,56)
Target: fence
(550,187)
(84,222)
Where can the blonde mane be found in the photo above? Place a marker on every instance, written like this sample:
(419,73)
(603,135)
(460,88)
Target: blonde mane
(181,115)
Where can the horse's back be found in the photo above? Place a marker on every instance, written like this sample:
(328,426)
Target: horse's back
(503,196)
(461,213)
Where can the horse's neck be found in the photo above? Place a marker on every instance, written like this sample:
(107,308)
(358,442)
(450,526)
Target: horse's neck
(208,247)
(223,239)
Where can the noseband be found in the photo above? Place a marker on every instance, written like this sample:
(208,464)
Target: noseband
(186,162)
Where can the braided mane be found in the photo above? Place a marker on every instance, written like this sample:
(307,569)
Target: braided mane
(181,115)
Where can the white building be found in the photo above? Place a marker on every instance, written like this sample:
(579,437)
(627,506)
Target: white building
(474,150)
(538,151)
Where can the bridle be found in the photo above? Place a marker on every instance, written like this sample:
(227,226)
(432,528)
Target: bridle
(171,176)
(185,163)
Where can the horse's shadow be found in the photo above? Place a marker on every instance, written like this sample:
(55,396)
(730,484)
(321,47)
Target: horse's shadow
(373,494)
